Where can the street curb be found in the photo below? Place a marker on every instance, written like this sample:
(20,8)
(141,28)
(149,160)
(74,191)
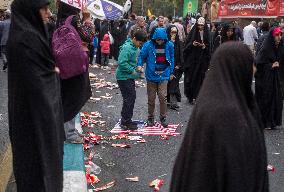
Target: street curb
(6,168)
(74,169)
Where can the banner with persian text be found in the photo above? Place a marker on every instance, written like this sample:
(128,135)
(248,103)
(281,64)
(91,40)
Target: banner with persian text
(250,8)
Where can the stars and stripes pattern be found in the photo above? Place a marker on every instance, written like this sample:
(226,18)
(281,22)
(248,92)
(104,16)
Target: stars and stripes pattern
(156,130)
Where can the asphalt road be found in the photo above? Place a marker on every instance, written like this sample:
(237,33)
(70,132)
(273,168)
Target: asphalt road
(155,158)
(150,160)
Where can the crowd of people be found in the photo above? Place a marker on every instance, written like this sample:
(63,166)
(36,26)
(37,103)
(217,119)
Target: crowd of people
(223,148)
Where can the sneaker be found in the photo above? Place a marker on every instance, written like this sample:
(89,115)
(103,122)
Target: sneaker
(77,140)
(129,126)
(164,122)
(150,122)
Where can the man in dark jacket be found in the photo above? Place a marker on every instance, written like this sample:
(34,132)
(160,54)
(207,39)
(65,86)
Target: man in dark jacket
(265,30)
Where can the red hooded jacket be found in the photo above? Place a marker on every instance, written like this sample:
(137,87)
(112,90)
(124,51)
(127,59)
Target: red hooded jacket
(105,44)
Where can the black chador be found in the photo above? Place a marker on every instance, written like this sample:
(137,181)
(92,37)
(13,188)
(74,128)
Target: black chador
(196,60)
(223,149)
(269,81)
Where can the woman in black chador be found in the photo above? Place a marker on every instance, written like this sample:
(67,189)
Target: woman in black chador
(35,108)
(173,91)
(269,79)
(227,34)
(223,149)
(196,59)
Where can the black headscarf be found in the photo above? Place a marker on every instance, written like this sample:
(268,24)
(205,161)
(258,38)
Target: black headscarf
(64,11)
(224,148)
(26,16)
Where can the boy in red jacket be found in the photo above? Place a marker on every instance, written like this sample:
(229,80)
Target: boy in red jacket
(105,49)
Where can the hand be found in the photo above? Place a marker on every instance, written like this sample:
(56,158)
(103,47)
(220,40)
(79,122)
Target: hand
(172,77)
(139,68)
(275,64)
(57,70)
(202,46)
(195,43)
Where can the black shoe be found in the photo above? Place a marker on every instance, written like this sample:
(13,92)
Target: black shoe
(129,126)
(164,122)
(150,122)
(174,107)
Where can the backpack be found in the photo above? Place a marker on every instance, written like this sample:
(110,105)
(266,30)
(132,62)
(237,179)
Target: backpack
(68,51)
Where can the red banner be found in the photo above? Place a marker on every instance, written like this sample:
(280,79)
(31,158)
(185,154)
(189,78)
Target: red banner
(251,8)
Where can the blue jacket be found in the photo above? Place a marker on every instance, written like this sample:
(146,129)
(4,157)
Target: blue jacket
(148,55)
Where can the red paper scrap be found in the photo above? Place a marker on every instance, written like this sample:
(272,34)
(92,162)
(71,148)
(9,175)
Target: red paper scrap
(270,168)
(142,141)
(92,179)
(121,145)
(132,179)
(157,184)
(86,147)
(107,186)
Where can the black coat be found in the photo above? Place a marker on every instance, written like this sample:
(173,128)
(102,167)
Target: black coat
(35,108)
(269,82)
(173,85)
(196,62)
(224,149)
(75,91)
(119,34)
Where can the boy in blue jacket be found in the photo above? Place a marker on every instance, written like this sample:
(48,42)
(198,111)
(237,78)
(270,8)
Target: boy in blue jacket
(158,53)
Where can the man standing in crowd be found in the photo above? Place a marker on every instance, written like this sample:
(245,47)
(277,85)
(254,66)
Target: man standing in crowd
(140,25)
(4,30)
(265,30)
(250,36)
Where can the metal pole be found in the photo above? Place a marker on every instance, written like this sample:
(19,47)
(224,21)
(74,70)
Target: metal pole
(142,7)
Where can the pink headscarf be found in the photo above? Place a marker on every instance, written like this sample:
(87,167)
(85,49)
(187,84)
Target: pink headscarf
(276,31)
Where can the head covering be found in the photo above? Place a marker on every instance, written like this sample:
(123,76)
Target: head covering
(268,52)
(26,15)
(160,33)
(201,21)
(64,11)
(276,31)
(223,148)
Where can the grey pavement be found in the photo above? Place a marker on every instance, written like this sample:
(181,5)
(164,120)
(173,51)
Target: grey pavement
(150,160)
(155,158)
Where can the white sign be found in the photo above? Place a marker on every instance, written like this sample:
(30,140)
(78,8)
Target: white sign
(5,4)
(80,4)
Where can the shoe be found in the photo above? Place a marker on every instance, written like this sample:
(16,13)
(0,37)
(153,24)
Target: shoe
(129,126)
(174,107)
(150,122)
(164,122)
(77,140)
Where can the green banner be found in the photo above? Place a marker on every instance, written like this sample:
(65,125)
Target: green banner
(190,6)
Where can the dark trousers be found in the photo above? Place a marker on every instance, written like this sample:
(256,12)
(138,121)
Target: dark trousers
(91,53)
(4,57)
(105,59)
(128,92)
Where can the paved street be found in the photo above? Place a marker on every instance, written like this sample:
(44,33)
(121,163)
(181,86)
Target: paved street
(150,160)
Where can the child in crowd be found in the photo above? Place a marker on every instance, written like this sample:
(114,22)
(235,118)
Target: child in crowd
(126,74)
(105,49)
